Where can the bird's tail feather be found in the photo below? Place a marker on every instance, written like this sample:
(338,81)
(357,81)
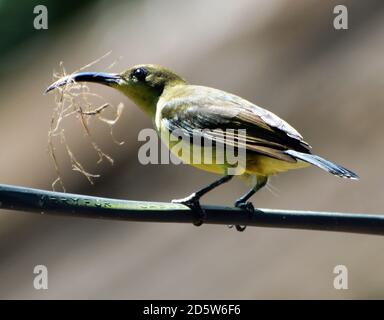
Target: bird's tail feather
(324,164)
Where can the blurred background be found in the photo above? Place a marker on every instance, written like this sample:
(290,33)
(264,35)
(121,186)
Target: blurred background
(282,55)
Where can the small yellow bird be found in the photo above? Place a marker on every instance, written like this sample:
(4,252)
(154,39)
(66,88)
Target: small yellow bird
(272,145)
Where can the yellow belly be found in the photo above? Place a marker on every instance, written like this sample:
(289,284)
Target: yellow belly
(255,164)
(267,166)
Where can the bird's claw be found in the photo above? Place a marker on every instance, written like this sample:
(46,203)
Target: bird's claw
(247,206)
(193,202)
(240,228)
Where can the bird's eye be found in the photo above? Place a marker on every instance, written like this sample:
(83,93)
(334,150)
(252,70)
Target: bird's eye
(140,74)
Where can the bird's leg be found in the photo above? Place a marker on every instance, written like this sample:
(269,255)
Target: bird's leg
(193,200)
(243,203)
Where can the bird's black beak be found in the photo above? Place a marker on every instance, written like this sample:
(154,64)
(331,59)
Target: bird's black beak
(98,77)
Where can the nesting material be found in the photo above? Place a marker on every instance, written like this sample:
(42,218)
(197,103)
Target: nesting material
(75,100)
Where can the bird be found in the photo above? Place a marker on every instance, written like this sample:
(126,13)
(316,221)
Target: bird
(272,145)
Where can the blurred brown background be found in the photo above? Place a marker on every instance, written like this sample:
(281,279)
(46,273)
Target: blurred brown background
(283,55)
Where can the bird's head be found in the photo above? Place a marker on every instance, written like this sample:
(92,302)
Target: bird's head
(143,84)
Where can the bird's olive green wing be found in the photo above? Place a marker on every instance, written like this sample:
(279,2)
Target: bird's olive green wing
(216,113)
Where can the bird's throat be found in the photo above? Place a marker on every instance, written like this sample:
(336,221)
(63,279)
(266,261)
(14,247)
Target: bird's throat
(145,99)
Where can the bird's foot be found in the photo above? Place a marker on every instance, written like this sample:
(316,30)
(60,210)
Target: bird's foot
(193,202)
(247,206)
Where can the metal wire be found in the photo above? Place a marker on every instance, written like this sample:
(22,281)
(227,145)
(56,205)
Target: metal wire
(64,204)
